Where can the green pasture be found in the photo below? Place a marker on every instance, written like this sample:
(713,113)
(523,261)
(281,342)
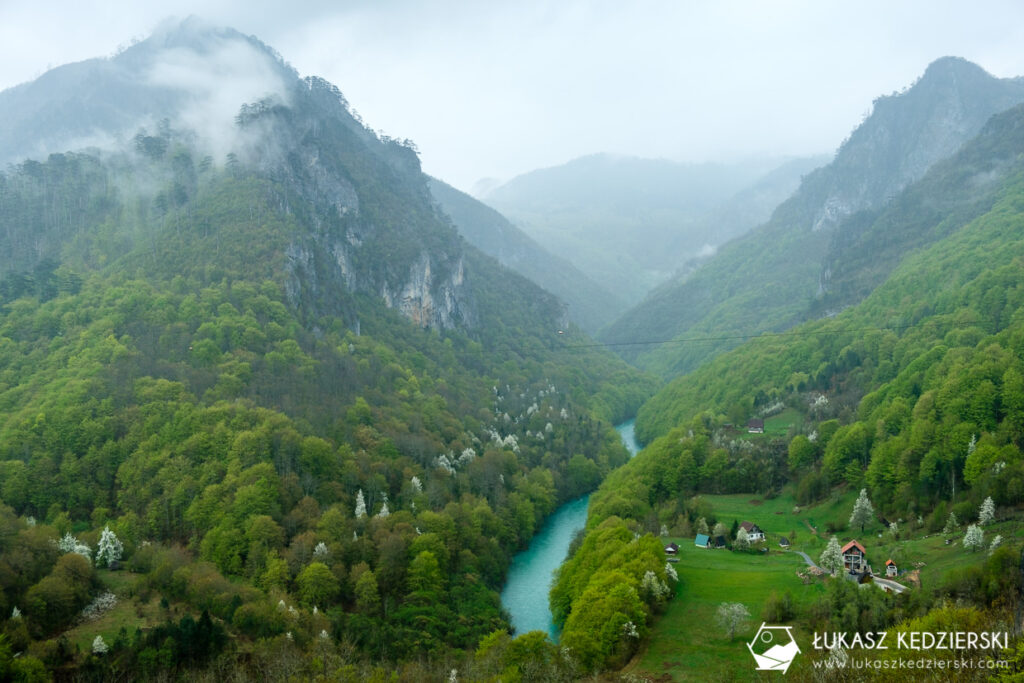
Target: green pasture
(687,632)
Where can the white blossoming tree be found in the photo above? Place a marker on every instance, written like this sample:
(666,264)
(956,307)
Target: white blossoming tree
(974,539)
(70,544)
(863,511)
(952,524)
(742,541)
(360,505)
(987,512)
(832,557)
(996,542)
(653,586)
(110,548)
(99,646)
(730,616)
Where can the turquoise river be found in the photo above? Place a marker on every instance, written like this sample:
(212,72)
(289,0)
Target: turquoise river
(525,596)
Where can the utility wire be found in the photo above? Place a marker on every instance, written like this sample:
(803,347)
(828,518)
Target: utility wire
(805,333)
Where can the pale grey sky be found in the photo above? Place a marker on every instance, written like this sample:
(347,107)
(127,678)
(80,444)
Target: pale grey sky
(493,89)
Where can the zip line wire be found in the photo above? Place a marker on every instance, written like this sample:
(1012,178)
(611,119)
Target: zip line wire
(795,334)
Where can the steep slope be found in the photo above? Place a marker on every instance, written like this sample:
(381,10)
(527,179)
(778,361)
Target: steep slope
(772,277)
(954,195)
(614,217)
(590,305)
(276,372)
(915,394)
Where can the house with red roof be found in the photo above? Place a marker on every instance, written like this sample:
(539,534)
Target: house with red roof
(854,557)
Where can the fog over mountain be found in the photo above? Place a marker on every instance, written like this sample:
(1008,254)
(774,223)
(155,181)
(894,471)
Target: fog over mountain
(195,74)
(683,81)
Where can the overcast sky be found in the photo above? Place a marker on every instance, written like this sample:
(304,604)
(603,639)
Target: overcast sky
(493,89)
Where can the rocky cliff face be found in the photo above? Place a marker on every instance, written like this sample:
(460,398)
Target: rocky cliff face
(905,135)
(396,247)
(784,271)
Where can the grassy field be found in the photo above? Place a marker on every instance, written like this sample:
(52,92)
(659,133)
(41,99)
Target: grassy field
(129,612)
(779,516)
(779,425)
(686,632)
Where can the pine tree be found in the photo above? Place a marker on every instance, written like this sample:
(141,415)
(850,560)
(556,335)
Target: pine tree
(110,548)
(863,511)
(832,557)
(974,538)
(987,512)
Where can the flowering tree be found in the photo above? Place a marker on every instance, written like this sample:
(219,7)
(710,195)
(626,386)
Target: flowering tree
(70,544)
(360,505)
(987,512)
(730,616)
(99,646)
(863,511)
(110,548)
(974,538)
(742,539)
(996,542)
(952,524)
(832,557)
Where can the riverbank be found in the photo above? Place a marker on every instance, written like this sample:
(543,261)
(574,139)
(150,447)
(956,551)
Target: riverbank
(525,595)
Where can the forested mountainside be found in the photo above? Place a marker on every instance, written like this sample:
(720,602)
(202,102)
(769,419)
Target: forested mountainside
(916,395)
(786,270)
(630,223)
(315,421)
(590,305)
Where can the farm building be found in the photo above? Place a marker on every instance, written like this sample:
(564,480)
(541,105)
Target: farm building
(718,542)
(702,541)
(890,568)
(755,426)
(783,542)
(671,549)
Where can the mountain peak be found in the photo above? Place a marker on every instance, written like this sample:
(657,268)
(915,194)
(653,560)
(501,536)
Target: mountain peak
(948,67)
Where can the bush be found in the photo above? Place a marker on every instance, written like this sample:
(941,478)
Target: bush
(778,608)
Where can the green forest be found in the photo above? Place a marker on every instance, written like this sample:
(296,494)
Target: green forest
(296,475)
(916,395)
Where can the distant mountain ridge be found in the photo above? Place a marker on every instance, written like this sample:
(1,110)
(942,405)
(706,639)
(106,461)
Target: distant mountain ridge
(778,274)
(629,222)
(590,305)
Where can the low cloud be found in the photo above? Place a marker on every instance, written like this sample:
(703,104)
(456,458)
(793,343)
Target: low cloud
(215,78)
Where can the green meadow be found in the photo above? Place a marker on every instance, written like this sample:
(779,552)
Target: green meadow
(687,631)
